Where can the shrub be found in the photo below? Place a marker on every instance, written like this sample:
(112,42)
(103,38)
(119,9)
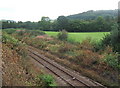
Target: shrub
(21,32)
(10,30)
(97,46)
(112,39)
(38,43)
(105,41)
(9,39)
(62,35)
(36,32)
(48,80)
(22,50)
(86,44)
(30,33)
(87,58)
(15,44)
(65,48)
(112,60)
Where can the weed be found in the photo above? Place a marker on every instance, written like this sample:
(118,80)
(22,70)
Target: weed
(9,39)
(15,44)
(62,35)
(10,30)
(112,60)
(86,44)
(87,58)
(65,47)
(47,79)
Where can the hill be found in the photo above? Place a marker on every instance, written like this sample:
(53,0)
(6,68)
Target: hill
(94,14)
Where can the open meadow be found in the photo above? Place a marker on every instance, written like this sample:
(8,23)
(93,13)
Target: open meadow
(80,36)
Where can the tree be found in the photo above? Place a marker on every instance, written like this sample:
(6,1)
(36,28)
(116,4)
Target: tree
(45,23)
(54,26)
(114,34)
(100,23)
(45,19)
(115,37)
(8,24)
(62,22)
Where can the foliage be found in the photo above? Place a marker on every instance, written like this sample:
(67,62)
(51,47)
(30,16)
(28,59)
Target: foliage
(112,60)
(47,79)
(112,39)
(62,22)
(63,35)
(99,23)
(87,58)
(38,43)
(106,40)
(30,32)
(44,24)
(108,14)
(36,32)
(65,48)
(9,39)
(14,44)
(10,31)
(86,44)
(80,56)
(115,37)
(22,50)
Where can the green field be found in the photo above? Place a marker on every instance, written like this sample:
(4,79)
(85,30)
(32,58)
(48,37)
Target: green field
(78,36)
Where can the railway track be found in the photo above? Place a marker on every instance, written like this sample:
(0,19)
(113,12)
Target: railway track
(70,77)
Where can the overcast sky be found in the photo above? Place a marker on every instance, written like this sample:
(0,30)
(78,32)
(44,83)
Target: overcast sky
(33,10)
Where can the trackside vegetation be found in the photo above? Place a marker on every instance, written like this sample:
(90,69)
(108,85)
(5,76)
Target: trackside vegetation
(100,65)
(20,48)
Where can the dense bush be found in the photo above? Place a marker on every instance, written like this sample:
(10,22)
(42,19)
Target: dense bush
(47,79)
(87,58)
(115,37)
(9,39)
(36,42)
(65,48)
(22,50)
(30,32)
(14,44)
(106,40)
(36,32)
(86,44)
(103,43)
(112,39)
(10,30)
(62,35)
(112,60)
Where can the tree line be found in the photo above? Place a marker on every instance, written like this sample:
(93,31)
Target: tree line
(91,14)
(99,24)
